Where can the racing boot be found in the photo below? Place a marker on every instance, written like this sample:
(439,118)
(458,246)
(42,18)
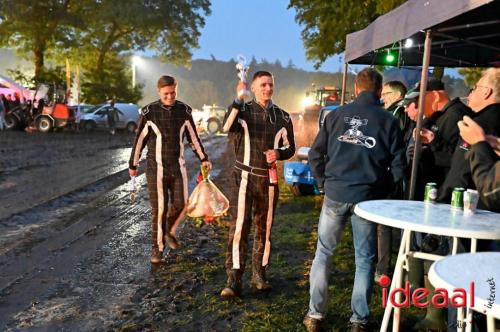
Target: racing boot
(155,255)
(233,286)
(259,281)
(171,240)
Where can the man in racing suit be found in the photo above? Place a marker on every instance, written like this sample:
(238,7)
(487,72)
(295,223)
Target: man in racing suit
(261,133)
(163,124)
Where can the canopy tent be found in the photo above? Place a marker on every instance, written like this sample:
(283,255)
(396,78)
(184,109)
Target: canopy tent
(448,33)
(465,33)
(7,83)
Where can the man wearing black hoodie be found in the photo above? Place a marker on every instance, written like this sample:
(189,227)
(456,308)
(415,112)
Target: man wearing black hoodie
(358,155)
(484,100)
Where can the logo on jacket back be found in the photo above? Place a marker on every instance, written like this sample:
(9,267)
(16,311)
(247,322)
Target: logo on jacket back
(355,136)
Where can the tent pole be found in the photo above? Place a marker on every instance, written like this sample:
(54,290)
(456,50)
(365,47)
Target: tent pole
(344,84)
(421,103)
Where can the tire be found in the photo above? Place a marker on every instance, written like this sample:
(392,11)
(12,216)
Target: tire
(89,125)
(11,122)
(213,126)
(300,189)
(131,127)
(44,124)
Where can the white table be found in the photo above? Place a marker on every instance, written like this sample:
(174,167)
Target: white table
(481,268)
(439,219)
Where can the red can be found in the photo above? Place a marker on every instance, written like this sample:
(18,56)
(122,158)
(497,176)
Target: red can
(273,173)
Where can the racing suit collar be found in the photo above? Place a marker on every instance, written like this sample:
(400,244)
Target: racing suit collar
(269,104)
(167,107)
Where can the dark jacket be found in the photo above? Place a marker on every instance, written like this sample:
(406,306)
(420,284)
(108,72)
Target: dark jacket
(405,123)
(163,129)
(253,130)
(460,173)
(359,153)
(444,126)
(112,115)
(485,168)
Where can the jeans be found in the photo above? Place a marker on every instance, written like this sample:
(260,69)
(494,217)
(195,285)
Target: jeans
(334,216)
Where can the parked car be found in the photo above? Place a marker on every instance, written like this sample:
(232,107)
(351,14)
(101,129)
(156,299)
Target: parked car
(96,117)
(84,108)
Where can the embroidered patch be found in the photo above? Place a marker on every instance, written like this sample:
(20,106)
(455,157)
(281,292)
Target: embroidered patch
(355,136)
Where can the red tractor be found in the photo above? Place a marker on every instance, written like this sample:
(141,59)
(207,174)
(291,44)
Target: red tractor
(306,123)
(55,115)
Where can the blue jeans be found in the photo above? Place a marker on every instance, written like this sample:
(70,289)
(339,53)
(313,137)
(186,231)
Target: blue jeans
(334,216)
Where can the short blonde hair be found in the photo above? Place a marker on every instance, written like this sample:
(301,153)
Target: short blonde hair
(492,78)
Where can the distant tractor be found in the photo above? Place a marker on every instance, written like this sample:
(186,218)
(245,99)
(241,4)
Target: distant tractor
(214,116)
(298,173)
(306,123)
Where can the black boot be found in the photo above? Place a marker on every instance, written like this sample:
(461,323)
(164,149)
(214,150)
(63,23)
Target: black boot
(233,286)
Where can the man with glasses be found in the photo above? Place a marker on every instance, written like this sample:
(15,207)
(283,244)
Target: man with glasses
(392,95)
(484,100)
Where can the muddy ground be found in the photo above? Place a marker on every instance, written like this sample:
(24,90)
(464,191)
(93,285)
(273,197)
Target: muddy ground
(74,249)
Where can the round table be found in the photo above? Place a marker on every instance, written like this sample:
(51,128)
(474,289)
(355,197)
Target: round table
(481,268)
(434,218)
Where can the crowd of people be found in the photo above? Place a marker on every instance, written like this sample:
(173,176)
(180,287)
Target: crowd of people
(7,103)
(363,151)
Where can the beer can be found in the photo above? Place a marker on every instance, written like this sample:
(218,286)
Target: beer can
(430,193)
(457,198)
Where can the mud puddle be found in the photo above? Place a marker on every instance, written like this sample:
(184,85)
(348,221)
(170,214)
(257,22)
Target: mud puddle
(82,265)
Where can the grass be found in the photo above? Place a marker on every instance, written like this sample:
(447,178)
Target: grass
(193,282)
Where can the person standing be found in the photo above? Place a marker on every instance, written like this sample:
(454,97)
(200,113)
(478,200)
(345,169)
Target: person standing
(484,100)
(358,155)
(163,125)
(260,133)
(112,116)
(393,93)
(3,111)
(484,159)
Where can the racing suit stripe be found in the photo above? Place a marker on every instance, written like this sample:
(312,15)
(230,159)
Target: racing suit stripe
(139,145)
(195,141)
(159,184)
(182,163)
(230,120)
(241,198)
(269,223)
(281,134)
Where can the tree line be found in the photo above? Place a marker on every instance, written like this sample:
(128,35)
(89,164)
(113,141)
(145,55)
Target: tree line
(98,35)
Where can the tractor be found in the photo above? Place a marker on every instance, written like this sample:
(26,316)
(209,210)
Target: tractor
(306,123)
(298,173)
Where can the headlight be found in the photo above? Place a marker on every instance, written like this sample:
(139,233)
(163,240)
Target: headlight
(307,101)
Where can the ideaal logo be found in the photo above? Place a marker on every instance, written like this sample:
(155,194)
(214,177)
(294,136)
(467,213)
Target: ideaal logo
(440,298)
(491,299)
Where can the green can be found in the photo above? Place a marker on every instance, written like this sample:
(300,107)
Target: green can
(457,198)
(430,193)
